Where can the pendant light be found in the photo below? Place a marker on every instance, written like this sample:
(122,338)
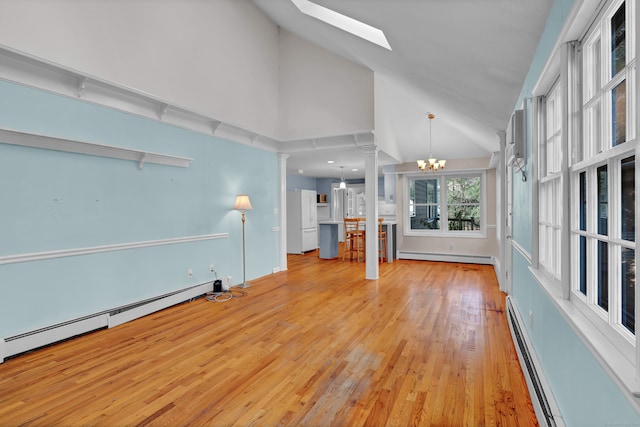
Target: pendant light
(343,184)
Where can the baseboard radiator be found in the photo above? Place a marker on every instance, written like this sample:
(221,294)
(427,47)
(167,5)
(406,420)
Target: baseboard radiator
(541,396)
(17,344)
(468,259)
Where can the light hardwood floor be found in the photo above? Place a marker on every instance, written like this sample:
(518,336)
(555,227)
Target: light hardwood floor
(426,344)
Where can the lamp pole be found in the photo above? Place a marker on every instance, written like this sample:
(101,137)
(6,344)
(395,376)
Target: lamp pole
(244,268)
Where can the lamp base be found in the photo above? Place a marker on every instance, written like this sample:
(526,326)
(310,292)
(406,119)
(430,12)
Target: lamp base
(244,285)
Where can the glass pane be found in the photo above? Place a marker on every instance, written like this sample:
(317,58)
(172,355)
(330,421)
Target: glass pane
(596,67)
(463,190)
(603,213)
(619,113)
(628,289)
(583,201)
(583,265)
(596,135)
(425,191)
(603,275)
(627,197)
(463,218)
(425,218)
(618,48)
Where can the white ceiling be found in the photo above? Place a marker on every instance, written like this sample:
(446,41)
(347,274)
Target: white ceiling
(463,60)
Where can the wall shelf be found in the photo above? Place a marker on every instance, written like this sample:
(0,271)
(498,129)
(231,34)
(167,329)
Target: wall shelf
(25,139)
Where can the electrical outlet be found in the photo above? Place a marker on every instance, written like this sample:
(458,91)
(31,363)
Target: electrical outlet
(189,273)
(211,269)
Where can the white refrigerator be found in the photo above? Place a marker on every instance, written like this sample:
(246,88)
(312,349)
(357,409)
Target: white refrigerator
(302,221)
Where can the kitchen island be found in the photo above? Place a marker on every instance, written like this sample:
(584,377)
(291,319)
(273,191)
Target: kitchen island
(328,238)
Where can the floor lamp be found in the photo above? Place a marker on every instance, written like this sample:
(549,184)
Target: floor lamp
(243,203)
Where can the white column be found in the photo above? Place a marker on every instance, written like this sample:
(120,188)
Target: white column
(282,166)
(371,195)
(501,216)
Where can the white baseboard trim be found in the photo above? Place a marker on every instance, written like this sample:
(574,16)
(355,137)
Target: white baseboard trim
(10,346)
(31,340)
(124,316)
(469,259)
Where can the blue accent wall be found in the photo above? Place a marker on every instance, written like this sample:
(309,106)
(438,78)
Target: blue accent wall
(585,393)
(55,200)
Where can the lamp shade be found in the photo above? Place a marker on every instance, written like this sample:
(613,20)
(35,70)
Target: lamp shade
(242,202)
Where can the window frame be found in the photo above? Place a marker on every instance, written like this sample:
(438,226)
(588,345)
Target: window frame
(596,155)
(442,176)
(617,349)
(550,183)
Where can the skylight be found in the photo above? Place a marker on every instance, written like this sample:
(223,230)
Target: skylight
(343,22)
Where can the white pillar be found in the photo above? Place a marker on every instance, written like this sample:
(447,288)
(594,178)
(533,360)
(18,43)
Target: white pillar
(371,195)
(501,213)
(282,165)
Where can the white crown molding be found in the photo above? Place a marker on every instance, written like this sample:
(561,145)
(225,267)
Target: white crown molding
(22,68)
(37,256)
(355,139)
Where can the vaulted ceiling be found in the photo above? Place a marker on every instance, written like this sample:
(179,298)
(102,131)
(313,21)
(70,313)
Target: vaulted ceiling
(463,60)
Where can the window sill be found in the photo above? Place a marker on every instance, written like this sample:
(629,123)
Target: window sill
(620,369)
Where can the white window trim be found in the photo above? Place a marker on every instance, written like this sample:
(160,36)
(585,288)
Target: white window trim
(618,355)
(480,234)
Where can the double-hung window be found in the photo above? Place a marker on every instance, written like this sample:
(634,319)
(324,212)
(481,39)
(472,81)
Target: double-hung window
(445,204)
(550,185)
(603,179)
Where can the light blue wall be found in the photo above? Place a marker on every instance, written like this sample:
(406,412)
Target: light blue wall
(584,392)
(54,200)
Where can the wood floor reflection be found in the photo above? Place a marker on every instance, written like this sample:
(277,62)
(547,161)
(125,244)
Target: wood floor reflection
(318,345)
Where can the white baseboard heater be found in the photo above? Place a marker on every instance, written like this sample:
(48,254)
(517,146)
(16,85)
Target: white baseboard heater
(467,259)
(17,344)
(542,398)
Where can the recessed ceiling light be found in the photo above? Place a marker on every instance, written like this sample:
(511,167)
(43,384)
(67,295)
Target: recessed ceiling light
(354,170)
(330,161)
(350,25)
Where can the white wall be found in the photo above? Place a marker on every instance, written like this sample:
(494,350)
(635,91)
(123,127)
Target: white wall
(219,58)
(322,93)
(385,136)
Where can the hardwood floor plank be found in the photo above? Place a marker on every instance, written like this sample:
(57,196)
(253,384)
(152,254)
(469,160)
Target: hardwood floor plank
(425,344)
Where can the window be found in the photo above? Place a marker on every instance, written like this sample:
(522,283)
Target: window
(550,185)
(586,236)
(603,180)
(445,204)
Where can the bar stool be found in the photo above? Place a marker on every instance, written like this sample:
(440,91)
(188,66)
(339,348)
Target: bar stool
(353,238)
(382,242)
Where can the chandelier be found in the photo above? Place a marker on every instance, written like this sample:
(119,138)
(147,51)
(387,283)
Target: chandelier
(431,163)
